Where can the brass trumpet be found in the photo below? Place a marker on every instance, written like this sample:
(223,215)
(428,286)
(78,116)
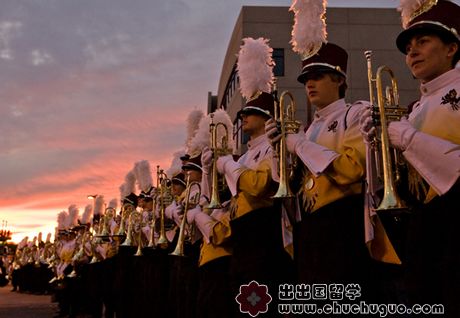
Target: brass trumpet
(179,250)
(285,119)
(164,184)
(125,213)
(386,157)
(217,151)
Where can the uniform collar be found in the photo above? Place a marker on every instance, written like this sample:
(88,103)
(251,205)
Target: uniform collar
(331,108)
(256,142)
(439,82)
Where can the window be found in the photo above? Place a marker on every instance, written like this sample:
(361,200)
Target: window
(230,88)
(278,57)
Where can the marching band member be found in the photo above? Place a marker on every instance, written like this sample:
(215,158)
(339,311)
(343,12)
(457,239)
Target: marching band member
(254,226)
(332,156)
(429,140)
(214,293)
(145,200)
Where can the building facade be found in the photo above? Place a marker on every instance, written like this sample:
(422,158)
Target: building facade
(355,29)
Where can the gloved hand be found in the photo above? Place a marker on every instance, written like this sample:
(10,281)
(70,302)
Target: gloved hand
(292,140)
(272,132)
(177,214)
(221,163)
(401,133)
(206,160)
(192,213)
(366,125)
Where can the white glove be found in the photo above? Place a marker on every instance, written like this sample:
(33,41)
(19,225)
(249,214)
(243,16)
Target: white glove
(272,132)
(222,161)
(206,160)
(292,141)
(177,214)
(192,213)
(401,133)
(366,125)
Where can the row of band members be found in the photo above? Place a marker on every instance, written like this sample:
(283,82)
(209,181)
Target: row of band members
(323,237)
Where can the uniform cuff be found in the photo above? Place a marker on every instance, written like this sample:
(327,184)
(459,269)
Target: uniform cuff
(435,159)
(315,157)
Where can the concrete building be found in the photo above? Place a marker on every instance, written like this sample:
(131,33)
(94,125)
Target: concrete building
(355,29)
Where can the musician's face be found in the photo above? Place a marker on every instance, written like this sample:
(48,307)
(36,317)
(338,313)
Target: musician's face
(141,203)
(148,205)
(428,57)
(322,89)
(253,124)
(195,175)
(177,189)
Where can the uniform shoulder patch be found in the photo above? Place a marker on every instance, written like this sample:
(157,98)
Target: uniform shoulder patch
(452,99)
(333,126)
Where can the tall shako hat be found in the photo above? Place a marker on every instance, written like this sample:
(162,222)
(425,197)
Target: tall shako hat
(309,40)
(439,16)
(330,58)
(193,163)
(128,189)
(255,71)
(144,179)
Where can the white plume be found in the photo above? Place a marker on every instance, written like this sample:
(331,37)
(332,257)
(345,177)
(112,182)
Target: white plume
(72,219)
(193,120)
(113,203)
(203,136)
(309,29)
(87,215)
(62,220)
(255,67)
(407,9)
(129,186)
(23,242)
(48,238)
(33,242)
(143,175)
(99,205)
(176,164)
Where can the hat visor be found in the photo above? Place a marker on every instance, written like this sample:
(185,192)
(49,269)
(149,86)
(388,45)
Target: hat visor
(252,110)
(405,36)
(310,70)
(191,166)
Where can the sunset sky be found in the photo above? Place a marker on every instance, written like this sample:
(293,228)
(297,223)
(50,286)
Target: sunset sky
(89,87)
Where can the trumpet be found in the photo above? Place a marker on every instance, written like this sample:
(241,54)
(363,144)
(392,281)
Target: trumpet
(285,118)
(179,250)
(217,151)
(134,224)
(109,214)
(387,158)
(125,213)
(164,185)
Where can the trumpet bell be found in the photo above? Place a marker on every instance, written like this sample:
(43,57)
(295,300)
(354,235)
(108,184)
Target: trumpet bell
(391,201)
(283,192)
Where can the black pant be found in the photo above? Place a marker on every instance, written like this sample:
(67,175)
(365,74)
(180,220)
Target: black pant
(433,253)
(329,246)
